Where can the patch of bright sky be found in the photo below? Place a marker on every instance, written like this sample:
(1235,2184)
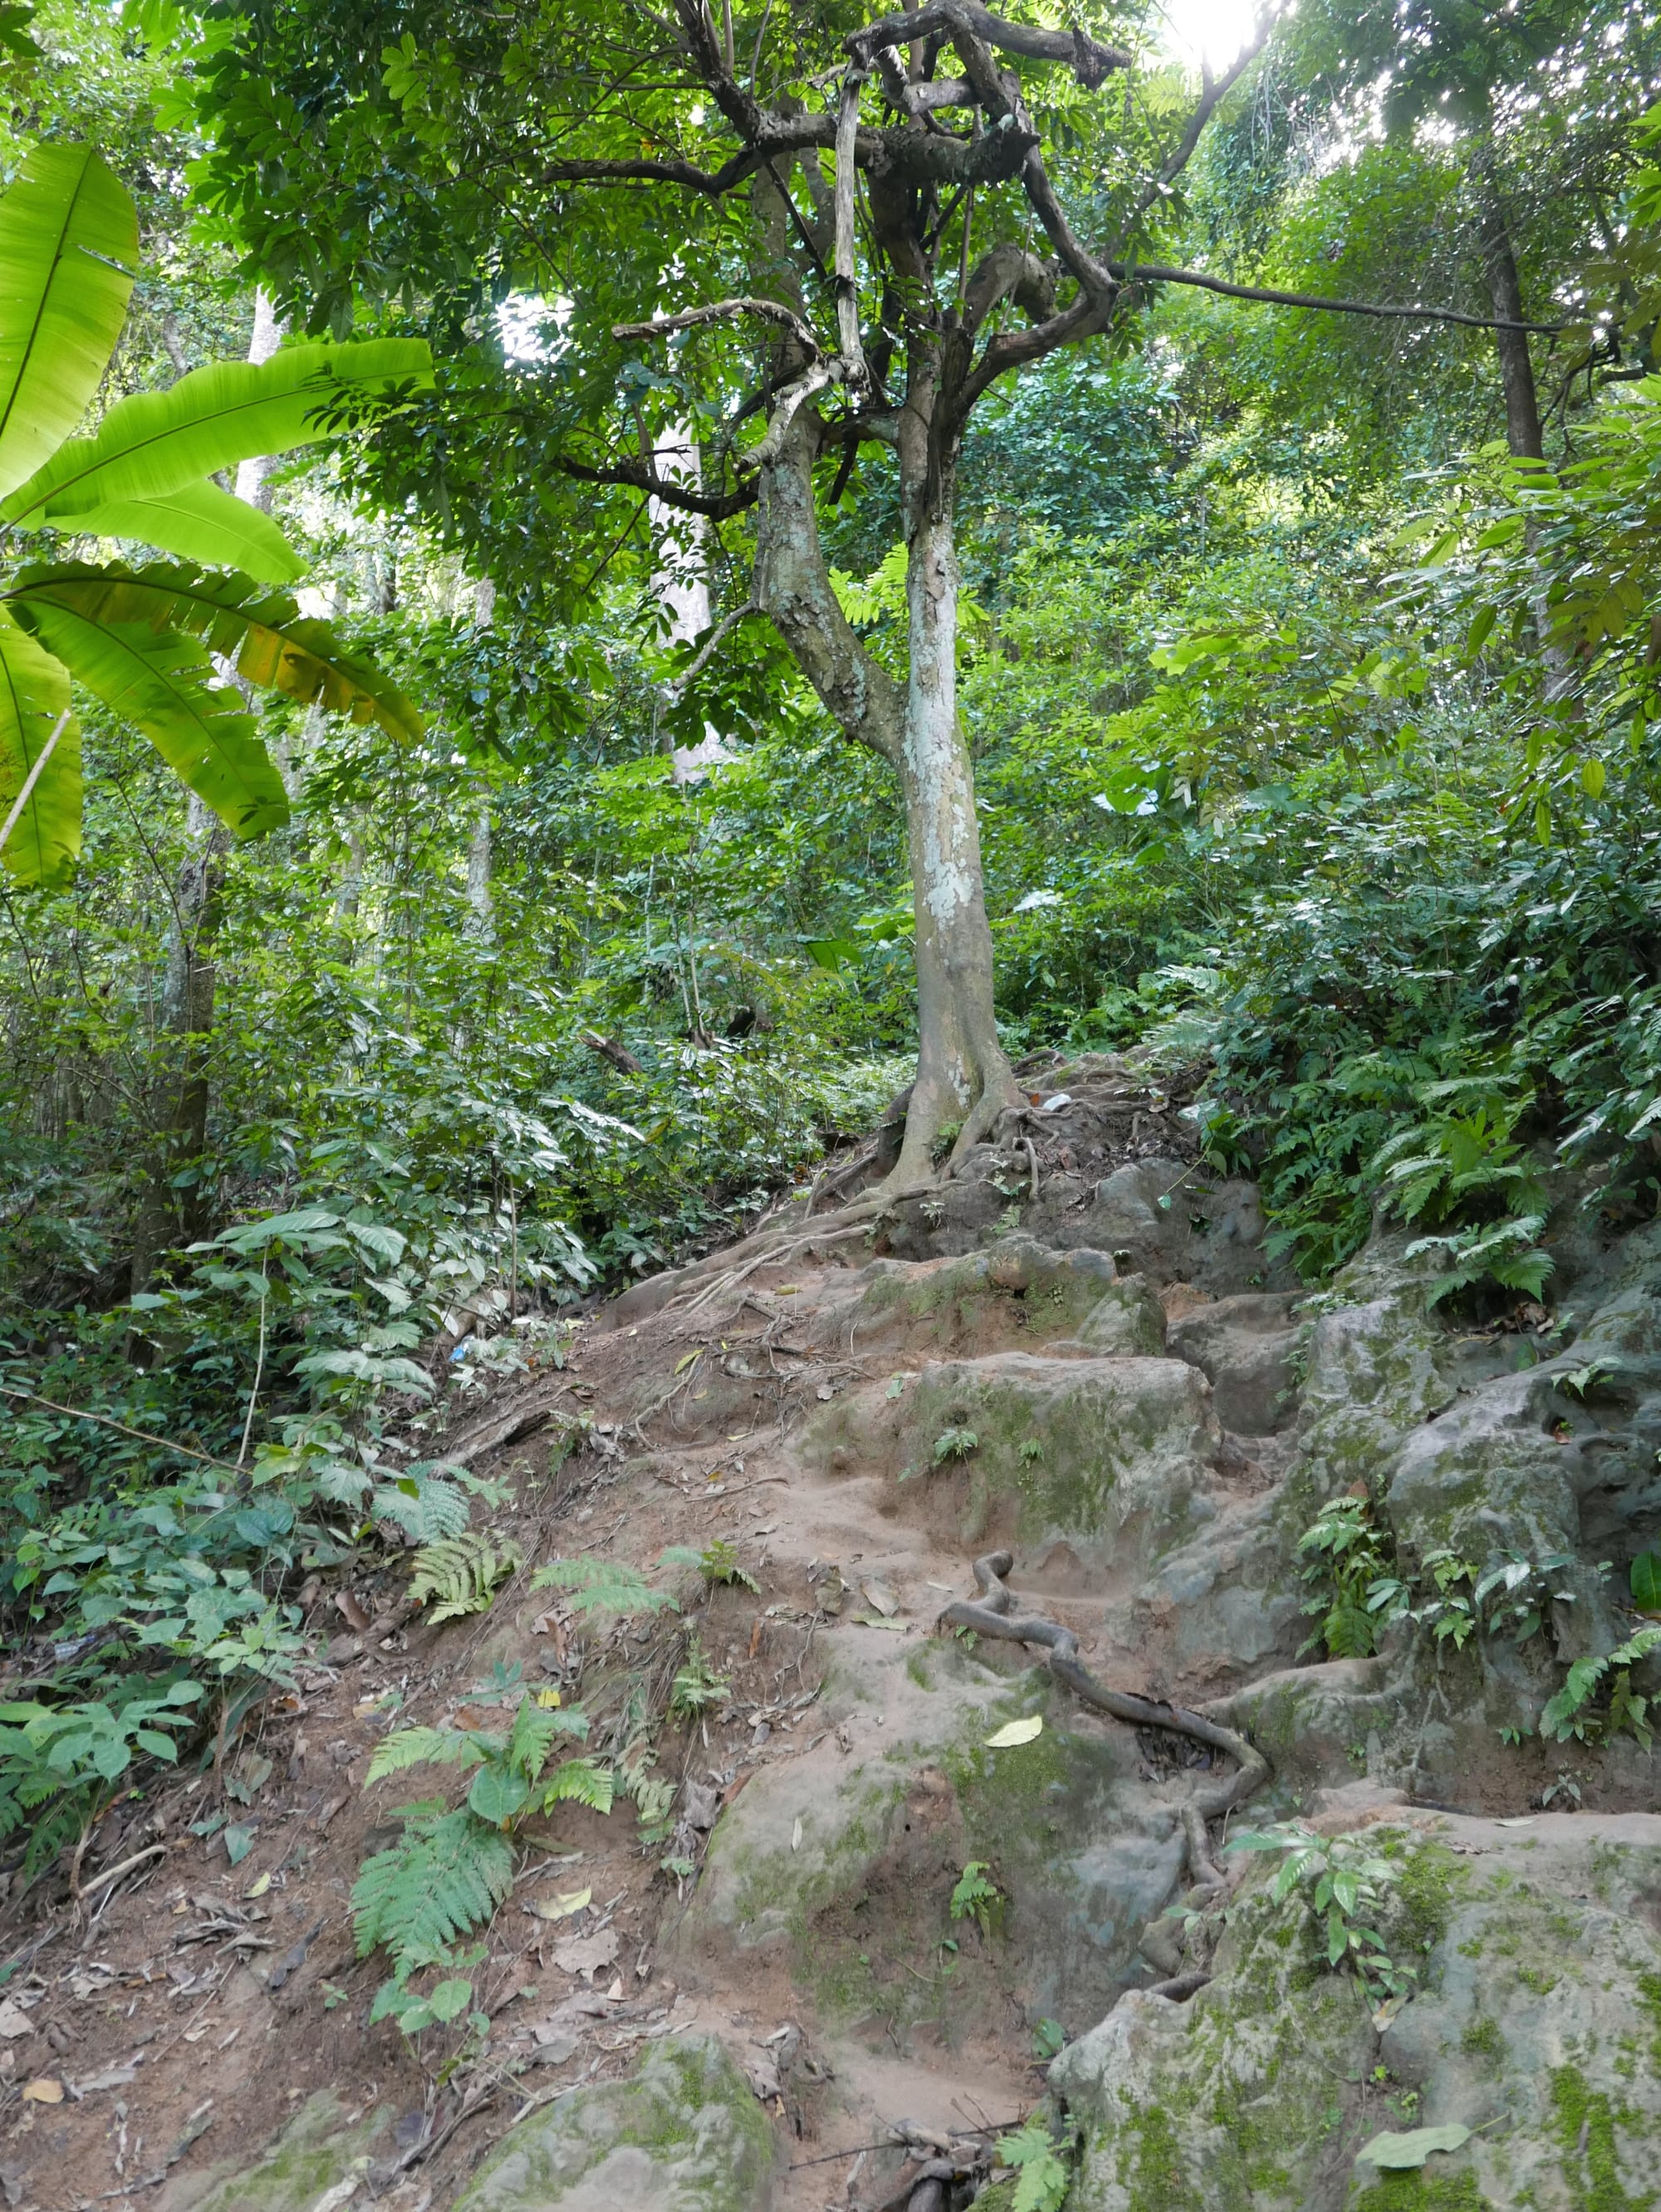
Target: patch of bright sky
(1210,31)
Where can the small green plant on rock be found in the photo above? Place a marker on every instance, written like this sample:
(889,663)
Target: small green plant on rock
(1340,1880)
(1576,1711)
(954,1444)
(977,1897)
(1358,1589)
(1348,1563)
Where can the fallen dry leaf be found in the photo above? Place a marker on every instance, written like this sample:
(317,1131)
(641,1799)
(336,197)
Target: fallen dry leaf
(14,2021)
(586,1954)
(1016,1732)
(44,2091)
(561,1907)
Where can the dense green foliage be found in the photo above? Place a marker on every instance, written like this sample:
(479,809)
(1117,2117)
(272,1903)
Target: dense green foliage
(1315,739)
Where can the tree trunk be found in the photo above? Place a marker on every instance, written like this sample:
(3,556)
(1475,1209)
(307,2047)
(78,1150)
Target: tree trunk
(1505,292)
(253,475)
(481,919)
(187,1021)
(963,1073)
(481,914)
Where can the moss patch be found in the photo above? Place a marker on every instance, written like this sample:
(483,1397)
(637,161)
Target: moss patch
(1586,2122)
(1426,2190)
(682,2132)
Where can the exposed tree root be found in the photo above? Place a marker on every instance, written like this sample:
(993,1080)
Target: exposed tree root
(994,1614)
(1000,1097)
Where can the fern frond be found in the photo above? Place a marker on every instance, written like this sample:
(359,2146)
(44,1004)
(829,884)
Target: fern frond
(442,1878)
(464,1573)
(534,1727)
(426,1507)
(582,1783)
(601,1586)
(420,1746)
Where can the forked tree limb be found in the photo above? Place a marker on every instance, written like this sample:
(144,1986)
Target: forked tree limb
(994,1614)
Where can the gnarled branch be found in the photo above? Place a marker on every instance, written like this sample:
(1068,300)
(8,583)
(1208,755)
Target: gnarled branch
(716,506)
(1089,61)
(720,311)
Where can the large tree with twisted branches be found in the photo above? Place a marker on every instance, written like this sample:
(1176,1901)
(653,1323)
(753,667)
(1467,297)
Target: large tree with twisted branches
(795,234)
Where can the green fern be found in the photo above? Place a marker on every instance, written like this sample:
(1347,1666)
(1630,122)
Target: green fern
(447,1873)
(601,1586)
(464,1573)
(426,1507)
(580,1782)
(422,1746)
(522,1751)
(696,1685)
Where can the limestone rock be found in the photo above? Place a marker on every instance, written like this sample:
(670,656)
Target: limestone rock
(682,2133)
(1534,2027)
(1015,1291)
(1243,1345)
(1114,1456)
(322,2149)
(851,1886)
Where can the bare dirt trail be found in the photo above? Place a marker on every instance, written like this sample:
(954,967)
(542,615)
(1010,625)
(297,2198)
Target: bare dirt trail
(192,2007)
(1076,1353)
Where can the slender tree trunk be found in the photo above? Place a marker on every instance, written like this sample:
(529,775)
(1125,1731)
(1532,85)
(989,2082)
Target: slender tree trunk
(1525,433)
(480,915)
(482,920)
(962,1072)
(1523,427)
(253,475)
(187,1021)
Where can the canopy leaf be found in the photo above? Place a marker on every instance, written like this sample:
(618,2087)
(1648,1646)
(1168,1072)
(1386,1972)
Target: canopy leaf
(34,690)
(201,523)
(69,236)
(163,683)
(156,441)
(271,644)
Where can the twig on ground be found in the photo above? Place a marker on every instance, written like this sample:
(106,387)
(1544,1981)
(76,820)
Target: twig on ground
(114,1873)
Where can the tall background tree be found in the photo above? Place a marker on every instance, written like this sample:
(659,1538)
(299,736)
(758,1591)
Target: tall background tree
(803,239)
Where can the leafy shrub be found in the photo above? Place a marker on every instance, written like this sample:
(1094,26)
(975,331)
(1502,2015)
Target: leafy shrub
(60,1766)
(1340,1879)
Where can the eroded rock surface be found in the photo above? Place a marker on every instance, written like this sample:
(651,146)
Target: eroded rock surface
(1534,2027)
(682,2133)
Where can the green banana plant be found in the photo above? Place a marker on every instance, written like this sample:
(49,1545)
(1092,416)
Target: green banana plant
(145,638)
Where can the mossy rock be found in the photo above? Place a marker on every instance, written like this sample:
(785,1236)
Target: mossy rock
(318,2149)
(1535,2025)
(850,1884)
(1019,1291)
(683,2133)
(1113,1456)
